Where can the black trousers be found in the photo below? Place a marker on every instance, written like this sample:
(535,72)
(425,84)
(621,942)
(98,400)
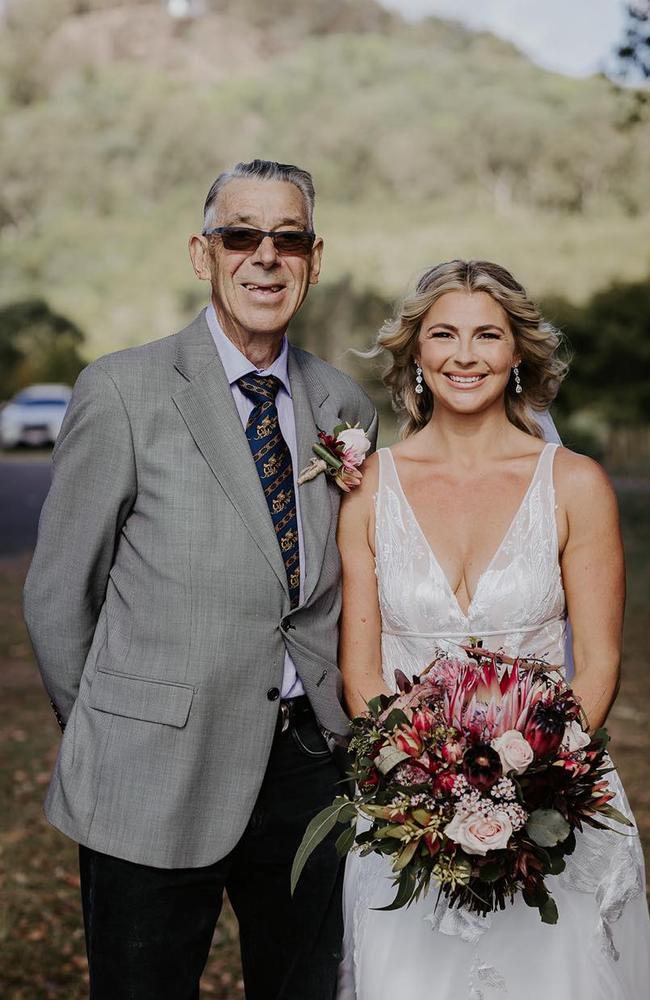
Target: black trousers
(148,930)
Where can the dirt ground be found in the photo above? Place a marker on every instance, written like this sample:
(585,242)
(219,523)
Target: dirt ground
(41,938)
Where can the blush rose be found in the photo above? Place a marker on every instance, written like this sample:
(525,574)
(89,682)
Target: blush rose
(514,750)
(478,834)
(355,445)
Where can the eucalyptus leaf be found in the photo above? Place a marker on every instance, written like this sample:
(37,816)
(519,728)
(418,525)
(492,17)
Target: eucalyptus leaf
(395,830)
(491,872)
(568,846)
(404,893)
(315,834)
(375,706)
(378,812)
(345,841)
(548,911)
(395,717)
(405,856)
(613,813)
(547,827)
(557,865)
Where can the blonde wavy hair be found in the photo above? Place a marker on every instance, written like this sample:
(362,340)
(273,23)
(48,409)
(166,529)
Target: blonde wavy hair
(536,342)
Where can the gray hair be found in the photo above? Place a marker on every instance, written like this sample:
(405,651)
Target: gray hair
(265,170)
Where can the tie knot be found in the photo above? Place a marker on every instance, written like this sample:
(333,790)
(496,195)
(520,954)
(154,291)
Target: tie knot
(259,388)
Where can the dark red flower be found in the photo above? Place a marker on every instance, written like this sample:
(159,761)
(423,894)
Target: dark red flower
(482,766)
(443,782)
(328,441)
(545,729)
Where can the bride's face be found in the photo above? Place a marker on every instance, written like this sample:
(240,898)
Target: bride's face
(466,351)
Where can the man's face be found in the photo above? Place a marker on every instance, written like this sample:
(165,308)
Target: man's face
(256,293)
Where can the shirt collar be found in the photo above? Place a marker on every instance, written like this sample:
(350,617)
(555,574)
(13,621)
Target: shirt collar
(236,364)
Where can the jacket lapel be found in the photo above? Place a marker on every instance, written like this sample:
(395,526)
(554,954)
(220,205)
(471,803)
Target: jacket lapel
(311,414)
(208,409)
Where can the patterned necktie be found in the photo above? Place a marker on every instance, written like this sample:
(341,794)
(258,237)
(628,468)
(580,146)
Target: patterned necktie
(273,463)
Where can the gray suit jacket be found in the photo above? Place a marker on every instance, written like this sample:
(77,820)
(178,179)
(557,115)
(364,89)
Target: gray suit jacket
(157,599)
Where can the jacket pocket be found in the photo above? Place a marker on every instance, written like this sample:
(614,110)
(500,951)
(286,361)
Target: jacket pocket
(141,698)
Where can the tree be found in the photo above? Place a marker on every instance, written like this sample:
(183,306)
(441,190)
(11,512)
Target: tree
(634,50)
(37,345)
(610,340)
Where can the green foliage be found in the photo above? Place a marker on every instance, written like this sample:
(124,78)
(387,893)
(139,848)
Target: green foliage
(610,338)
(634,50)
(37,345)
(547,827)
(426,142)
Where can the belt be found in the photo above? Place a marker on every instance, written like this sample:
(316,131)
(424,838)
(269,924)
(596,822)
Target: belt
(291,711)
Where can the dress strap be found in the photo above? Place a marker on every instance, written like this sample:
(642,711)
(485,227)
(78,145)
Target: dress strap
(544,476)
(387,472)
(545,467)
(387,478)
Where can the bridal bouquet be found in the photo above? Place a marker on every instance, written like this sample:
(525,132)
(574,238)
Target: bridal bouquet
(474,776)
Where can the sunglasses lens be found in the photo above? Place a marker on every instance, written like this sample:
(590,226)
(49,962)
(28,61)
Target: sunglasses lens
(247,240)
(293,242)
(241,239)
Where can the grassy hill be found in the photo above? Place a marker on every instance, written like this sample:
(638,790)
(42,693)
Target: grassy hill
(426,142)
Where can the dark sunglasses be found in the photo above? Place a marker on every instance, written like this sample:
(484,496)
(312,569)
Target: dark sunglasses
(246,240)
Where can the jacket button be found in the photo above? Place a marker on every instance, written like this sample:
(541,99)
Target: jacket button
(273,694)
(286,624)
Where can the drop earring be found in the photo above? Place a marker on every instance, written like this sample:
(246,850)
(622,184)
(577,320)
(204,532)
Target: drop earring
(419,388)
(515,372)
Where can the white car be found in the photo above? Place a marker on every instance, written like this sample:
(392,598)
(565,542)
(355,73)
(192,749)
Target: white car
(34,416)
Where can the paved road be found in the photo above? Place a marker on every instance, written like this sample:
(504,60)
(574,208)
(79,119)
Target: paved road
(24,482)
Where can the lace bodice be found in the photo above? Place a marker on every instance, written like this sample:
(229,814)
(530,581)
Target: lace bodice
(518,605)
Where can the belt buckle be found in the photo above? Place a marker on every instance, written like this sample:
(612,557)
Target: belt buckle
(285,715)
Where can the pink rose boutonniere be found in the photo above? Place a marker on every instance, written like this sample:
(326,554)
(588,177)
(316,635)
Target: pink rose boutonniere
(339,455)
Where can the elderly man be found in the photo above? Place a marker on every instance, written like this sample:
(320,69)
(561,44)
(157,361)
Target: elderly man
(183,603)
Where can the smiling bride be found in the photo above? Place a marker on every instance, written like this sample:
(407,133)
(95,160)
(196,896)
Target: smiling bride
(473,526)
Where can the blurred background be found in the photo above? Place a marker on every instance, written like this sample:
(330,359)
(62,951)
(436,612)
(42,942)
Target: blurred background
(504,129)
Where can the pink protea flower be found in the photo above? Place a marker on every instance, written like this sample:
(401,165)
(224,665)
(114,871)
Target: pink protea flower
(452,750)
(423,719)
(408,740)
(489,698)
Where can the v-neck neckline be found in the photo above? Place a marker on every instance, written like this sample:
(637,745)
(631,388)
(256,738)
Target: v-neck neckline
(466,615)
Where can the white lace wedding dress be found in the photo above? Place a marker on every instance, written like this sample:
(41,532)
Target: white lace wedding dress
(600,947)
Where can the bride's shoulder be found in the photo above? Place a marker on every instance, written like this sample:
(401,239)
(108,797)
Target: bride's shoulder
(363,494)
(581,483)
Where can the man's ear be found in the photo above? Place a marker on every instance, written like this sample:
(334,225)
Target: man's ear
(316,259)
(200,257)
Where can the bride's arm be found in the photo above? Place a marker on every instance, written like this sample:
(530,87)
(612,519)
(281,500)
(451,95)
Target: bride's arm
(593,574)
(360,625)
